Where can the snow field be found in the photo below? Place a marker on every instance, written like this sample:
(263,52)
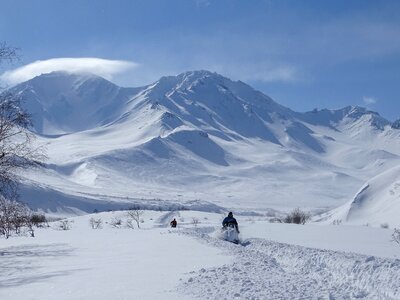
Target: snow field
(357,239)
(266,269)
(107,263)
(191,263)
(271,270)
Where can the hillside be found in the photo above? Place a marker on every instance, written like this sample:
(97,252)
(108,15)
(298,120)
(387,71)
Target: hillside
(376,204)
(195,136)
(62,102)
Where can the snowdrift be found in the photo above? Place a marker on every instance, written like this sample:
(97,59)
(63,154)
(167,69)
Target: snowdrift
(376,204)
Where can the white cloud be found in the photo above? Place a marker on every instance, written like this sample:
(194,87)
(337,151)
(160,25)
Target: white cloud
(369,100)
(269,73)
(102,67)
(203,3)
(283,73)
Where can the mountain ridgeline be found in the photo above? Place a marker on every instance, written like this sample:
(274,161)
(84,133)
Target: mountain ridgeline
(63,103)
(196,136)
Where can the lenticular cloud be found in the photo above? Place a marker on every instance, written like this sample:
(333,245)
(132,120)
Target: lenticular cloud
(99,66)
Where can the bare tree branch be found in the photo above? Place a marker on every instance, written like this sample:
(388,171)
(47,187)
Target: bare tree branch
(134,214)
(8,53)
(16,141)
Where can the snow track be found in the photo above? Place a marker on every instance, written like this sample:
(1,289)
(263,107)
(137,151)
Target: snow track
(166,218)
(269,270)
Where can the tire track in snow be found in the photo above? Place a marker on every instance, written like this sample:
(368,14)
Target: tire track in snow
(270,270)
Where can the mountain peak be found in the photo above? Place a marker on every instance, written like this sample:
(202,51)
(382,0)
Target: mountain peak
(357,111)
(186,79)
(396,124)
(210,89)
(199,74)
(61,98)
(331,117)
(67,77)
(64,102)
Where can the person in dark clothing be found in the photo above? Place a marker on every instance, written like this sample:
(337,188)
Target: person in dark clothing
(173,223)
(230,221)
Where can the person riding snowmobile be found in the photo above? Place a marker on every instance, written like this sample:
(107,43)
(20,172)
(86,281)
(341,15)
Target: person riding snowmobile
(173,223)
(230,221)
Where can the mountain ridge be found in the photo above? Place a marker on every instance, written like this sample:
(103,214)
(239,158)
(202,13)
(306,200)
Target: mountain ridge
(187,82)
(202,136)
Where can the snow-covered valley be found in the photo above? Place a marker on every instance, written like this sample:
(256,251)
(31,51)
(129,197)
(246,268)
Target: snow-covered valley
(197,140)
(193,147)
(274,261)
(199,149)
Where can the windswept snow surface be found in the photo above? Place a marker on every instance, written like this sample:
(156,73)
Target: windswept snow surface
(189,262)
(270,270)
(377,203)
(108,263)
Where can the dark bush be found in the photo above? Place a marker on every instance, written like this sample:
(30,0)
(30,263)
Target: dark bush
(297,216)
(38,220)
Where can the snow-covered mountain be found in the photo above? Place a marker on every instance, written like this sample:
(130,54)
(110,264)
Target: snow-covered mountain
(62,102)
(196,136)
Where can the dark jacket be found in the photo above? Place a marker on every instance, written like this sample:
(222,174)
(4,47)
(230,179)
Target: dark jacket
(173,223)
(230,220)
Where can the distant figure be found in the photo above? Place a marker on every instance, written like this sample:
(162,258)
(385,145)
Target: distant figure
(173,223)
(230,221)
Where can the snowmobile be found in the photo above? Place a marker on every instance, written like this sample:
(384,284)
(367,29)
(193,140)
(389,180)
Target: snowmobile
(230,233)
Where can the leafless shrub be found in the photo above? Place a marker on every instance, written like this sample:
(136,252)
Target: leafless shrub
(337,222)
(135,214)
(116,222)
(195,221)
(275,220)
(64,225)
(129,224)
(30,228)
(96,223)
(396,236)
(14,217)
(297,216)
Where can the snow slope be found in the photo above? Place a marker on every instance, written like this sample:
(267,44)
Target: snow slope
(190,263)
(62,102)
(196,136)
(377,203)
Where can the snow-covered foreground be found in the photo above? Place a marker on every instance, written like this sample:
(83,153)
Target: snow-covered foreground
(189,262)
(357,239)
(269,270)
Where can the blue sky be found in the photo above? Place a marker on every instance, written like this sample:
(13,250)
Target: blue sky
(304,54)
